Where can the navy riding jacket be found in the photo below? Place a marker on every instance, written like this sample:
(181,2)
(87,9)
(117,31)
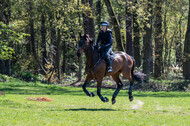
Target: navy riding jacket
(105,38)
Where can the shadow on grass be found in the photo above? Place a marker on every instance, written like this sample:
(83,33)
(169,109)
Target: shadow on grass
(161,94)
(25,88)
(91,109)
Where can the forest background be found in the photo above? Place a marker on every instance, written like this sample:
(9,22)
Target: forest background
(39,38)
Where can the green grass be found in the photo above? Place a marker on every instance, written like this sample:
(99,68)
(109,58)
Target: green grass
(70,106)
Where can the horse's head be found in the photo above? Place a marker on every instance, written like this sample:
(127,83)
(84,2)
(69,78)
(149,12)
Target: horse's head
(84,43)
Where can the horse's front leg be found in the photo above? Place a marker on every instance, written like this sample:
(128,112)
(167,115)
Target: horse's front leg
(88,79)
(104,99)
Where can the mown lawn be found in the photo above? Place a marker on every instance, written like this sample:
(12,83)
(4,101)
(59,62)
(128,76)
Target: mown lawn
(70,106)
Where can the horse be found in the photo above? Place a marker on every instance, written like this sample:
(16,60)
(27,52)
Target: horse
(96,69)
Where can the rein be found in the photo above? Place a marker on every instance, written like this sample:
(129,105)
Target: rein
(99,59)
(96,63)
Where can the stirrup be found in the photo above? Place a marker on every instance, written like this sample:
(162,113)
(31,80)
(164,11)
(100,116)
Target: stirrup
(110,69)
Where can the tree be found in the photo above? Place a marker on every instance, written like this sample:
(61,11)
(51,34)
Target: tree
(2,9)
(129,29)
(31,25)
(5,15)
(186,55)
(147,41)
(58,53)
(136,41)
(7,53)
(115,24)
(43,35)
(98,12)
(79,58)
(158,39)
(165,35)
(32,34)
(88,20)
(91,21)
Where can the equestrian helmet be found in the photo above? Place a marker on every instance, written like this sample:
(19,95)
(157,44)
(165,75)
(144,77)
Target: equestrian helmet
(104,23)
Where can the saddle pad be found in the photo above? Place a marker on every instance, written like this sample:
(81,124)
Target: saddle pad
(111,57)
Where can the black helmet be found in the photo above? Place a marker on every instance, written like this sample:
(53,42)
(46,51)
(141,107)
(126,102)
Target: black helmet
(104,23)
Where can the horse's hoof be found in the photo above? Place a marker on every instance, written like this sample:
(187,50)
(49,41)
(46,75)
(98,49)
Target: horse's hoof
(113,101)
(105,99)
(92,94)
(131,98)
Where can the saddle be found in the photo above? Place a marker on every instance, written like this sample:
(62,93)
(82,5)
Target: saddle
(110,56)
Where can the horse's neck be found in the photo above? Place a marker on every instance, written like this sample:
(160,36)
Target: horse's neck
(91,57)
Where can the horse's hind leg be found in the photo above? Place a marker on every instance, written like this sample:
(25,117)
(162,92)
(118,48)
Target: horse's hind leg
(131,90)
(119,86)
(88,79)
(131,79)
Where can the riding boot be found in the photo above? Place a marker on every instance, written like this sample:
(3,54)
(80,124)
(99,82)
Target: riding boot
(109,68)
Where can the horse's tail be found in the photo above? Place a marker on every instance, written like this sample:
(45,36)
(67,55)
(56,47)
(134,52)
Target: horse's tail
(138,76)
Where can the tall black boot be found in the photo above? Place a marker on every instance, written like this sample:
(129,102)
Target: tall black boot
(109,68)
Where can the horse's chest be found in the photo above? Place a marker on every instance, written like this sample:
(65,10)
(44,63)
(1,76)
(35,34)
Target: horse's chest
(89,71)
(96,73)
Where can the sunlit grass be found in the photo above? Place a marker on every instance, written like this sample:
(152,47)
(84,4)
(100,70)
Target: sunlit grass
(70,106)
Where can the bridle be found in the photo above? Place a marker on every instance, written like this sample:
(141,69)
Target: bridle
(87,51)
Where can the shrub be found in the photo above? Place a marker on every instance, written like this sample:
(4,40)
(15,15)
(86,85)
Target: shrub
(27,76)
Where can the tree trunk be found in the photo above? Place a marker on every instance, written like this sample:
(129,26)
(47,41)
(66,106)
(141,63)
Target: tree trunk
(2,9)
(136,42)
(85,19)
(43,35)
(147,43)
(64,57)
(7,15)
(32,40)
(58,53)
(179,55)
(53,40)
(31,25)
(158,39)
(115,24)
(3,68)
(88,22)
(7,12)
(170,49)
(80,58)
(166,40)
(129,43)
(8,67)
(186,55)
(91,21)
(98,12)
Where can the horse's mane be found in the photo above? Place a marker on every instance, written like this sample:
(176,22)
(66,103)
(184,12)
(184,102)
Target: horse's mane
(87,36)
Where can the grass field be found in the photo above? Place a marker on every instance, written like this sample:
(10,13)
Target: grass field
(70,106)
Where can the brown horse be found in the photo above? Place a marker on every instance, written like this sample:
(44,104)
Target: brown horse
(96,69)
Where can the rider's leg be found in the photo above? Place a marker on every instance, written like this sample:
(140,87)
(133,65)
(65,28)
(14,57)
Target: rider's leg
(107,55)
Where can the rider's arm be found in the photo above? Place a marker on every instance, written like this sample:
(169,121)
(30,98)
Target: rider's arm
(109,40)
(98,39)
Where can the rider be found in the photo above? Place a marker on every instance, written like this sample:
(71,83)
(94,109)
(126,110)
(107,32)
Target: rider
(105,36)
